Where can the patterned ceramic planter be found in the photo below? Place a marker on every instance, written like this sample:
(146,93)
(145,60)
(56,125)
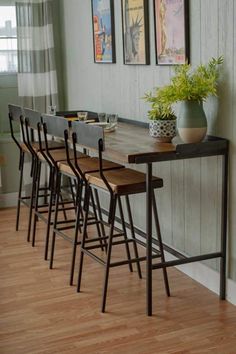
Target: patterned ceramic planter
(162,130)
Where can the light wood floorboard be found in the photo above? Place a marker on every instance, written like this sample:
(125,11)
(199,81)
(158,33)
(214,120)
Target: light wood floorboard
(41,314)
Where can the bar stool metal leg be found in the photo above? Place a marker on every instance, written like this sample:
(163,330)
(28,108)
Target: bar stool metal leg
(62,203)
(57,191)
(36,197)
(50,207)
(84,236)
(133,234)
(109,248)
(77,229)
(125,233)
(34,175)
(97,222)
(160,244)
(21,168)
(100,216)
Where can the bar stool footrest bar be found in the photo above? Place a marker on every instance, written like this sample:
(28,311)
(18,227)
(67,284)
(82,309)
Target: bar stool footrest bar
(96,258)
(187,260)
(133,260)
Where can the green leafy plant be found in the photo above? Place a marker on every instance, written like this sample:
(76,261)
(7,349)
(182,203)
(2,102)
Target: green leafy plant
(191,84)
(158,111)
(186,84)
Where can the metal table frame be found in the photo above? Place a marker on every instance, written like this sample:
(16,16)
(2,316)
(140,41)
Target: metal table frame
(213,146)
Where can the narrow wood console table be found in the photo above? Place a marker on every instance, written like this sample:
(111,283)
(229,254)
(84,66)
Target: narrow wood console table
(131,143)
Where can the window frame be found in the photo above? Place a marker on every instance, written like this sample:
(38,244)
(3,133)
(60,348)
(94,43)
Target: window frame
(8,4)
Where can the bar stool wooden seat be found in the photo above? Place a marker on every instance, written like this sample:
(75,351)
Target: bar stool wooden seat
(88,166)
(117,183)
(123,182)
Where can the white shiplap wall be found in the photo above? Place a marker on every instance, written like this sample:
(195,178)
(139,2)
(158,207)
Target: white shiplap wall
(189,202)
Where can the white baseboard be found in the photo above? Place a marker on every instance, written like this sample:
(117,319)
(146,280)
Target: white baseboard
(231,291)
(8,200)
(204,275)
(207,277)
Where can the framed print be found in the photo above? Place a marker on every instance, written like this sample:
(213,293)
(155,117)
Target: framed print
(103,31)
(135,30)
(172,31)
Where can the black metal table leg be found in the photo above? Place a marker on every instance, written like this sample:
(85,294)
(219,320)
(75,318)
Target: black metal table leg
(224,226)
(149,238)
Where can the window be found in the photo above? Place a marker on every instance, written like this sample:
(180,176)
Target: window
(8,40)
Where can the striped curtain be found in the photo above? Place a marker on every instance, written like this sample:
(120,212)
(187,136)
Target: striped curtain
(37,77)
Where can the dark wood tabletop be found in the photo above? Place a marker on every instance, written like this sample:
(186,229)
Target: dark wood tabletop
(131,143)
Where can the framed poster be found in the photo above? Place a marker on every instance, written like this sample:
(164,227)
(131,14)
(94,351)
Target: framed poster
(172,31)
(103,31)
(135,29)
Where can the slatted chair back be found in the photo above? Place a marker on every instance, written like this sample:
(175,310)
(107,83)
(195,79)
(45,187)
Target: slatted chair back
(14,113)
(27,140)
(33,117)
(55,125)
(89,136)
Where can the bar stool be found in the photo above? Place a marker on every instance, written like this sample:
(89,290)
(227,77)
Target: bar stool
(37,148)
(70,168)
(29,125)
(117,183)
(56,127)
(14,113)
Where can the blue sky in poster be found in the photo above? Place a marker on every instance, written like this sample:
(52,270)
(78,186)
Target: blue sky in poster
(101,8)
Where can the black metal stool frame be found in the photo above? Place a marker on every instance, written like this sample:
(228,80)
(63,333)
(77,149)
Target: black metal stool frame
(58,227)
(56,203)
(15,114)
(111,220)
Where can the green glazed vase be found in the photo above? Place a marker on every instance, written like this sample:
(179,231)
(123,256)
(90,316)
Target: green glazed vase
(192,122)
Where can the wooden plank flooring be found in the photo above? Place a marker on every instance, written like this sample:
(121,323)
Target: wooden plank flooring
(41,314)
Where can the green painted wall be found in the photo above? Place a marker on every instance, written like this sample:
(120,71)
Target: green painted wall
(8,94)
(9,174)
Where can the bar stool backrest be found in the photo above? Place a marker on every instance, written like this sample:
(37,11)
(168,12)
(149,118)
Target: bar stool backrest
(33,117)
(15,113)
(55,125)
(89,136)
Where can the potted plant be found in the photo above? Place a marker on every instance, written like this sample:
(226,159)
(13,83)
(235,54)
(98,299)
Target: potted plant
(192,87)
(162,125)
